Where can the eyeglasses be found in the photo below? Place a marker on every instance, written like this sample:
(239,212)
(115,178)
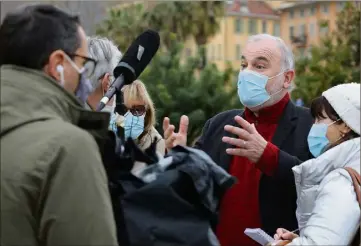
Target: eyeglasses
(137,110)
(89,65)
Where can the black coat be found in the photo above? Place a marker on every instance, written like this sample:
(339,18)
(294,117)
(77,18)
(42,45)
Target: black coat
(277,193)
(175,208)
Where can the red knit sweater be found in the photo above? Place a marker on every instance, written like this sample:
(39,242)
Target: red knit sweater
(239,208)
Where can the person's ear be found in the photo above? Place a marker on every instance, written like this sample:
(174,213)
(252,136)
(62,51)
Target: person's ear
(105,82)
(344,129)
(55,66)
(289,76)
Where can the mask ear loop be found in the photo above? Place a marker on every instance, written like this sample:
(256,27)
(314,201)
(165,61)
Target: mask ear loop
(342,135)
(275,77)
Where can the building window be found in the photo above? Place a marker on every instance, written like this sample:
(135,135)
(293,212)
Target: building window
(291,13)
(302,52)
(340,5)
(219,52)
(325,8)
(312,29)
(238,52)
(252,28)
(302,30)
(292,31)
(264,26)
(313,10)
(302,12)
(238,26)
(276,29)
(324,27)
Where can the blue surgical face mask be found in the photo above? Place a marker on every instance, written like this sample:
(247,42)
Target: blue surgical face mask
(84,86)
(133,125)
(112,123)
(317,138)
(252,88)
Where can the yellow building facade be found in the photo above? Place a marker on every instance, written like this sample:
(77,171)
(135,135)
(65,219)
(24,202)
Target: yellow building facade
(240,21)
(296,22)
(300,22)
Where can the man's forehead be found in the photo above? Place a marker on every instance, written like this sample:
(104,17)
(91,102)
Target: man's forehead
(266,48)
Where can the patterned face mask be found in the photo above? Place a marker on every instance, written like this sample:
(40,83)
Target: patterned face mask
(133,125)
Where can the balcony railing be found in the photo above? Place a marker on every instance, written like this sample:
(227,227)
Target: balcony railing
(299,41)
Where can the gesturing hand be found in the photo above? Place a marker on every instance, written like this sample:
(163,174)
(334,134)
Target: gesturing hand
(249,143)
(172,138)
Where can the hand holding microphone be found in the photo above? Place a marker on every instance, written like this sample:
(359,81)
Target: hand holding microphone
(132,64)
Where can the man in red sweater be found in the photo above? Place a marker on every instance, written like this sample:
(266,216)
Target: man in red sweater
(258,145)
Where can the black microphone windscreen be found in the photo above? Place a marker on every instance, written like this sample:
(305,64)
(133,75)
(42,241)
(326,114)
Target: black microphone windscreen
(138,56)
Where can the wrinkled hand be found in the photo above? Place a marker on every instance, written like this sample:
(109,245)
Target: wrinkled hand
(250,143)
(283,234)
(172,138)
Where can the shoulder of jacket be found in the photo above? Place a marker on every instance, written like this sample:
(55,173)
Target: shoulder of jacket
(337,177)
(62,133)
(303,111)
(155,133)
(227,115)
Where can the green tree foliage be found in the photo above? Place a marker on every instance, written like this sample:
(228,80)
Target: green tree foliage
(176,89)
(173,19)
(181,20)
(123,25)
(335,61)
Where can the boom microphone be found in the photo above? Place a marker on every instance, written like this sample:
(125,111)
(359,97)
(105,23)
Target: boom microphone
(132,64)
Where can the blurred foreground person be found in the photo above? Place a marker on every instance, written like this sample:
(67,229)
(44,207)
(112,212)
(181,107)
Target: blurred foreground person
(328,209)
(53,185)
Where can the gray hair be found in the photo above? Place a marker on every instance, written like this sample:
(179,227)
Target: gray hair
(287,55)
(106,53)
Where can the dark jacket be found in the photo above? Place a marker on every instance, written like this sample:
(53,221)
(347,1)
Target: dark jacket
(171,202)
(277,193)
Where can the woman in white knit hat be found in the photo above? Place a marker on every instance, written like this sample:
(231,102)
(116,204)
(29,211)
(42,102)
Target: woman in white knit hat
(328,209)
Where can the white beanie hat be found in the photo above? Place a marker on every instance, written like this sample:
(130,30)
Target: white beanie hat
(345,100)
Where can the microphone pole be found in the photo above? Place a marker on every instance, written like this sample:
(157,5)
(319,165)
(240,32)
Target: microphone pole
(114,88)
(119,103)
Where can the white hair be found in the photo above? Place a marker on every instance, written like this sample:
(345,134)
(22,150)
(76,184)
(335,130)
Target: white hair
(107,55)
(288,62)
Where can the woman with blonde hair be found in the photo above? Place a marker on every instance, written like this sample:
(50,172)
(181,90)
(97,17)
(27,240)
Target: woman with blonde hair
(140,119)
